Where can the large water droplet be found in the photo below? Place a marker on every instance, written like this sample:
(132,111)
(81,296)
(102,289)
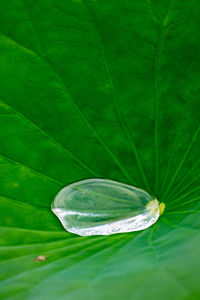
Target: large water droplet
(102,207)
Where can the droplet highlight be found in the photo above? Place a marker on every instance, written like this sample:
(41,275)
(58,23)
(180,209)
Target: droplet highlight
(103,207)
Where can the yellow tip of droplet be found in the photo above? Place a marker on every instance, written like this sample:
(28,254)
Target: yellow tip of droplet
(161,208)
(152,204)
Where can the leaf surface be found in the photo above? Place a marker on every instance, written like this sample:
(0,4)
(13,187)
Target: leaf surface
(104,89)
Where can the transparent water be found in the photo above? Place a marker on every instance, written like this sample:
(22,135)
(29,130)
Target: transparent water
(102,207)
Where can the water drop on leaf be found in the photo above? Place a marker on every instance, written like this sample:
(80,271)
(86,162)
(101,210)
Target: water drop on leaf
(102,207)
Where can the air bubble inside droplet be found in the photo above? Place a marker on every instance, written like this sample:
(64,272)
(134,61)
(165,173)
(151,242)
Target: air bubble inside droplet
(103,207)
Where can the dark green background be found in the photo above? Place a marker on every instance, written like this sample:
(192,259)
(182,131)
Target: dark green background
(99,89)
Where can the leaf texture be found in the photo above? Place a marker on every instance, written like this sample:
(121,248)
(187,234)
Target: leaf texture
(105,89)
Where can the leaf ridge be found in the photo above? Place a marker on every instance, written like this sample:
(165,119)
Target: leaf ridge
(51,139)
(38,173)
(117,110)
(182,161)
(69,95)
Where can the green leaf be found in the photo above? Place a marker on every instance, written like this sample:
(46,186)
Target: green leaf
(104,89)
